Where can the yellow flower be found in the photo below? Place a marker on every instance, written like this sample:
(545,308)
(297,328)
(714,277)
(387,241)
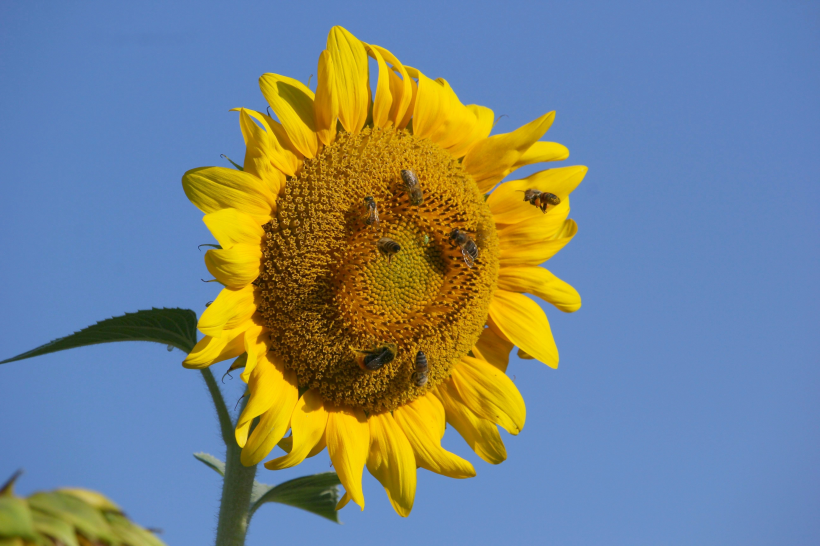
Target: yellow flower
(335,321)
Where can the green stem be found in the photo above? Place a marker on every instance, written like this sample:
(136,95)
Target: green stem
(225,424)
(238,481)
(236,499)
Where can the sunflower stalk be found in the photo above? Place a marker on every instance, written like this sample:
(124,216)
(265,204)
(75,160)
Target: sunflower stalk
(234,513)
(238,480)
(225,424)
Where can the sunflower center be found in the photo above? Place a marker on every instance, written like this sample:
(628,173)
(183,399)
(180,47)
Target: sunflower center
(340,288)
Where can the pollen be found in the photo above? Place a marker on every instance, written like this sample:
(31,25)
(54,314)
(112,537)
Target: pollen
(330,291)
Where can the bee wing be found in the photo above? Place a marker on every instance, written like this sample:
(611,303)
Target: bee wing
(467,258)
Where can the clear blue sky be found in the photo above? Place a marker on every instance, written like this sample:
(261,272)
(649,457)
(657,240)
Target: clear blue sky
(685,409)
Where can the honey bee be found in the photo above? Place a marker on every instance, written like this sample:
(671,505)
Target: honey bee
(412,186)
(541,199)
(388,247)
(372,212)
(374,359)
(468,247)
(420,375)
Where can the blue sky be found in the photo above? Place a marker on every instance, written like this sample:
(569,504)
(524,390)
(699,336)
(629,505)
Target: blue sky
(685,409)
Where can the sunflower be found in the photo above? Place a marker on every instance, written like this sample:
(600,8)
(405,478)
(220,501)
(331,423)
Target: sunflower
(373,289)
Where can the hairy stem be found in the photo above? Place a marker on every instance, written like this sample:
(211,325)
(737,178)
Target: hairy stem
(238,481)
(236,499)
(225,424)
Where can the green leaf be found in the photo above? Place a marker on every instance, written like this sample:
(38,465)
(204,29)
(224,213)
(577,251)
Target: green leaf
(172,327)
(15,519)
(212,462)
(317,494)
(86,519)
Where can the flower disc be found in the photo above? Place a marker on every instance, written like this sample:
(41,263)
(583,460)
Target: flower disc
(329,293)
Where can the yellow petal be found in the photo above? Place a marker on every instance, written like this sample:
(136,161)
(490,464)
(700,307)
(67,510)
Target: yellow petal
(390,460)
(235,267)
(284,141)
(541,152)
(412,106)
(215,188)
(494,348)
(259,151)
(540,282)
(493,158)
(326,104)
(480,434)
(229,310)
(534,229)
(230,226)
(440,117)
(384,99)
(287,446)
(538,253)
(460,130)
(308,423)
(210,350)
(524,356)
(481,130)
(348,441)
(351,86)
(489,393)
(264,386)
(292,102)
(401,87)
(343,501)
(433,101)
(275,421)
(507,201)
(283,154)
(421,421)
(256,345)
(524,323)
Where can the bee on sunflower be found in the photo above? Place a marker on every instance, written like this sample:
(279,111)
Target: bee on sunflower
(332,320)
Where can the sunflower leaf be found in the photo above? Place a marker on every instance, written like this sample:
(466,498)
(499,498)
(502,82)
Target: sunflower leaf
(317,494)
(211,461)
(172,327)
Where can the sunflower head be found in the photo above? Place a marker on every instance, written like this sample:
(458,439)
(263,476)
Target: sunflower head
(335,285)
(372,287)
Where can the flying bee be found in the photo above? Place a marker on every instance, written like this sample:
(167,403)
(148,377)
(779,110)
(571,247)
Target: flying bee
(374,359)
(541,199)
(420,375)
(468,247)
(388,246)
(412,187)
(372,212)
